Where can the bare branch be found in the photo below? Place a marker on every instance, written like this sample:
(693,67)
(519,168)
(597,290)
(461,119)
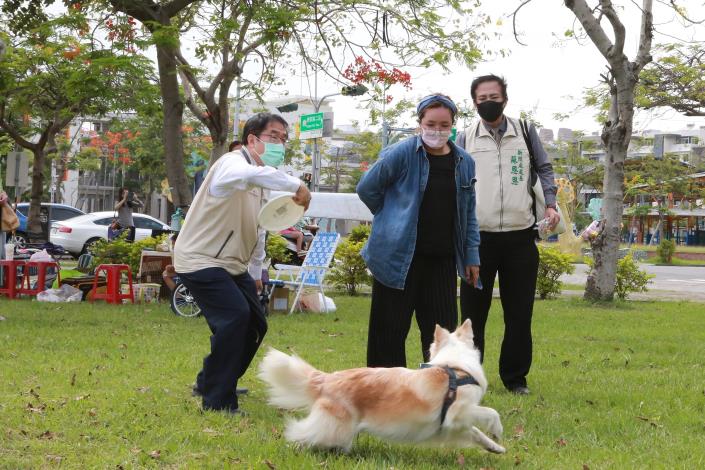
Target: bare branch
(681,12)
(514,21)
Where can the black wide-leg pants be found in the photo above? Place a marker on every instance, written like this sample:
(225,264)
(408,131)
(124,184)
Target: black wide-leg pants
(430,291)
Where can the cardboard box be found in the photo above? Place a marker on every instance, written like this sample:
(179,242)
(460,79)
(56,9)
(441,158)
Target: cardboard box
(279,299)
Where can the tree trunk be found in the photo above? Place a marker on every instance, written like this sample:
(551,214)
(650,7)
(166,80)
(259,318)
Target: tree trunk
(173,121)
(615,135)
(220,145)
(34,225)
(60,169)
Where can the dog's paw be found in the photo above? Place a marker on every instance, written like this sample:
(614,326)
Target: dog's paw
(496,430)
(496,449)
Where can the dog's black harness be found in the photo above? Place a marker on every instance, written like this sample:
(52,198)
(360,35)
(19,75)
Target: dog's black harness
(453,383)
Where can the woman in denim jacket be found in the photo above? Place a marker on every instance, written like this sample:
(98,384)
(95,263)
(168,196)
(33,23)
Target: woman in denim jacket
(421,192)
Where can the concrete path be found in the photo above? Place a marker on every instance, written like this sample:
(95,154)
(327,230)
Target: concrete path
(670,282)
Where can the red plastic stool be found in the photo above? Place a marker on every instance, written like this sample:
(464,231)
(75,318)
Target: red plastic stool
(113,293)
(10,288)
(41,267)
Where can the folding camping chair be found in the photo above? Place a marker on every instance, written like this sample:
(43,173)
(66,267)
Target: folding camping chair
(313,270)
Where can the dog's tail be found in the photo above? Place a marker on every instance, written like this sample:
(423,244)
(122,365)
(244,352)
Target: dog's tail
(292,381)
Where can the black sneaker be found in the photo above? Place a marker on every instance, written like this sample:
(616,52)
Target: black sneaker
(520,390)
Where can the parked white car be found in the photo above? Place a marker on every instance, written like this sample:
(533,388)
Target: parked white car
(78,233)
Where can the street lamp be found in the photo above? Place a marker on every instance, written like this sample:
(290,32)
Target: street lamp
(348,90)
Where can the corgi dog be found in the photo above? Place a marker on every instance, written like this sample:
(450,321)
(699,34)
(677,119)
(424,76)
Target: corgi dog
(438,404)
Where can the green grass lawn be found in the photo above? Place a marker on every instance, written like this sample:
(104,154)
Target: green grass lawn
(85,386)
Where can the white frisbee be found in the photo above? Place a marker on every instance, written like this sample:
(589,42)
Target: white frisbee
(280,213)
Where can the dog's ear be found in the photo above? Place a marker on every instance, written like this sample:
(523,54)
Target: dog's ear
(440,336)
(465,330)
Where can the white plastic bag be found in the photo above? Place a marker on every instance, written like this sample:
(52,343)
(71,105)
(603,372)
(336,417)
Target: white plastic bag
(317,302)
(41,256)
(65,293)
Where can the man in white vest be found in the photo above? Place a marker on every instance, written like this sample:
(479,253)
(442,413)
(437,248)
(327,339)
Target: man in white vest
(220,249)
(505,213)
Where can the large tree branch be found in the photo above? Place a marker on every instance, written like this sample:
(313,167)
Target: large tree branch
(13,132)
(143,10)
(188,76)
(175,6)
(607,9)
(592,27)
(646,35)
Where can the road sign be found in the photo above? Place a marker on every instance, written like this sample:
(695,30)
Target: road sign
(17,170)
(311,126)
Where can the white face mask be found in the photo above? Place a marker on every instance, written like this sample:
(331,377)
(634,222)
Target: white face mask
(433,138)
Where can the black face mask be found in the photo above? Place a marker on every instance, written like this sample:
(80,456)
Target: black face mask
(490,111)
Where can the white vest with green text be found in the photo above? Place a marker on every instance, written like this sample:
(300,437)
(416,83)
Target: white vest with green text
(503,172)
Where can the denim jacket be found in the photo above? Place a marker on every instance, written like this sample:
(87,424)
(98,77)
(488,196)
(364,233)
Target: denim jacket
(393,189)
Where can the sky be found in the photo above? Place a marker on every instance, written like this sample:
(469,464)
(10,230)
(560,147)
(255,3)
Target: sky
(547,75)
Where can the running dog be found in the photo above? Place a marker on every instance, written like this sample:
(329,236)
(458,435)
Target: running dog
(438,404)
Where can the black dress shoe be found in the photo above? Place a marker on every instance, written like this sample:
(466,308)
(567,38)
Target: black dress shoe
(520,390)
(241,391)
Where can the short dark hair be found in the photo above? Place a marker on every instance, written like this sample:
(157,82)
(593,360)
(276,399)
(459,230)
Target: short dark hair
(234,144)
(488,78)
(257,123)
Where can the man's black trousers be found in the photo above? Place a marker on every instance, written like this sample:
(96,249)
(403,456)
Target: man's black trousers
(235,317)
(514,256)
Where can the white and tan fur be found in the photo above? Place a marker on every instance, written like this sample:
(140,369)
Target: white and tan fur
(397,404)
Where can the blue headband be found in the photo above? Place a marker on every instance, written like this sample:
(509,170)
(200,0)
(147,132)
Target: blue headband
(429,100)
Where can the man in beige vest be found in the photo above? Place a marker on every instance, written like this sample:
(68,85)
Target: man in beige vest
(505,213)
(220,241)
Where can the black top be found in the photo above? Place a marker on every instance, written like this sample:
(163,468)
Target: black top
(436,229)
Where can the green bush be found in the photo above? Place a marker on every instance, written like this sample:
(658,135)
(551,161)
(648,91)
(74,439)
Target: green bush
(552,265)
(630,278)
(360,233)
(275,249)
(120,251)
(665,251)
(349,271)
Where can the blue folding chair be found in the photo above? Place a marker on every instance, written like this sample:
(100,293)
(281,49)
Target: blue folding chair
(313,270)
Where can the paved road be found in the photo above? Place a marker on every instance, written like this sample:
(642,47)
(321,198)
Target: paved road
(671,282)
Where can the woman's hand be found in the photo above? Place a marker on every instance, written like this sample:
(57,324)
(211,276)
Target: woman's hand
(472,276)
(3,198)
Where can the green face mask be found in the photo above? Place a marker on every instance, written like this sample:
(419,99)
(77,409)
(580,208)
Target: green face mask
(273,154)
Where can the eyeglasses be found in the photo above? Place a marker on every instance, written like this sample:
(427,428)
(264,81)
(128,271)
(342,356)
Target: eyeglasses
(275,139)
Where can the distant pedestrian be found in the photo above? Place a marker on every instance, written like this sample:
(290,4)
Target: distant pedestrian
(127,203)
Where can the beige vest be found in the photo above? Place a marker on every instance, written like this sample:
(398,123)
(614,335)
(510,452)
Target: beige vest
(219,231)
(503,178)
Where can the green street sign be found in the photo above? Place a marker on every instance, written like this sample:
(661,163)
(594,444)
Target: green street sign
(311,126)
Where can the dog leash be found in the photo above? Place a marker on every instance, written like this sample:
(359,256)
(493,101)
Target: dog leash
(453,383)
